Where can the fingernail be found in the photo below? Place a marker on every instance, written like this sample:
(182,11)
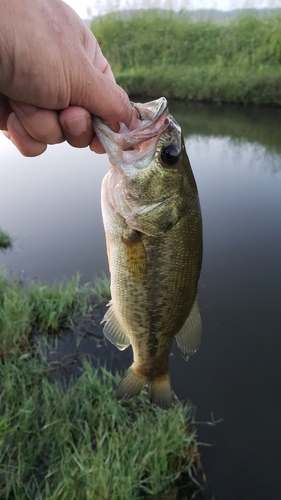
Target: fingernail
(6,134)
(27,109)
(78,125)
(16,125)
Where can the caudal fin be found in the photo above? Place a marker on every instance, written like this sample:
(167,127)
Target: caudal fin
(160,392)
(159,389)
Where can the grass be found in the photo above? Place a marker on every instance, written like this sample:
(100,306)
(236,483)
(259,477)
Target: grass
(70,438)
(45,309)
(5,240)
(79,443)
(232,61)
(212,83)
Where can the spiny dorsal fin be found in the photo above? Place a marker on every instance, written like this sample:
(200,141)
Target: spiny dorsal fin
(189,336)
(112,330)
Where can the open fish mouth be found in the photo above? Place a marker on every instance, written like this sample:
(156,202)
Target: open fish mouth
(153,116)
(135,146)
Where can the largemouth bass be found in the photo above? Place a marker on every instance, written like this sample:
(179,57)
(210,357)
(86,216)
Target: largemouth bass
(153,231)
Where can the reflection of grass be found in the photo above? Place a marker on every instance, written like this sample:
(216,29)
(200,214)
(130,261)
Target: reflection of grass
(245,123)
(44,308)
(5,239)
(80,443)
(73,440)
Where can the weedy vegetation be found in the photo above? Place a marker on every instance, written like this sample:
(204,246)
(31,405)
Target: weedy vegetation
(78,442)
(69,438)
(155,54)
(5,239)
(41,308)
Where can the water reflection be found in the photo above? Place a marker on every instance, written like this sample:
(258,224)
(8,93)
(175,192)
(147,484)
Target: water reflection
(51,206)
(250,124)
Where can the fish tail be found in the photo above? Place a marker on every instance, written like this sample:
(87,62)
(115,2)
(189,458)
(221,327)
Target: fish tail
(160,392)
(131,385)
(159,389)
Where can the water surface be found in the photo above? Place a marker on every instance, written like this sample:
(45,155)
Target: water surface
(51,206)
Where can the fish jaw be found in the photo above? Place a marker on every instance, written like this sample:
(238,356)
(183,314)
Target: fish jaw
(137,147)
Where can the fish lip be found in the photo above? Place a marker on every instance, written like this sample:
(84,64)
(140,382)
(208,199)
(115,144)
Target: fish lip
(154,120)
(153,110)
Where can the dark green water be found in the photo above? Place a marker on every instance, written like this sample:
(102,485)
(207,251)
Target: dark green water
(51,206)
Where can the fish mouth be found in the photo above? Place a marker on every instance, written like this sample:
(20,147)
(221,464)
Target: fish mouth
(135,146)
(153,117)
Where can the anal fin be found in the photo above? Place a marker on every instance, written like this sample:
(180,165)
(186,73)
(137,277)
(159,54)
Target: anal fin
(189,336)
(112,330)
(131,385)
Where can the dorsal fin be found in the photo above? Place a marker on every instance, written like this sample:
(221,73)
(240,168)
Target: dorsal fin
(113,331)
(189,336)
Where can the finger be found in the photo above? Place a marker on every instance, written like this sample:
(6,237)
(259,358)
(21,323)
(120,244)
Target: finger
(102,64)
(26,144)
(108,72)
(6,134)
(76,124)
(41,124)
(96,146)
(135,120)
(5,110)
(103,98)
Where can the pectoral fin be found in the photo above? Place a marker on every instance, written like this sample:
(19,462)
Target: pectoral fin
(189,336)
(136,255)
(112,330)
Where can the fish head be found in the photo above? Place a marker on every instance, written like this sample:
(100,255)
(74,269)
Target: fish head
(150,180)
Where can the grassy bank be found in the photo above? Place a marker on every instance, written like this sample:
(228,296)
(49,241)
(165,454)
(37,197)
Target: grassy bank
(5,239)
(42,309)
(68,438)
(233,61)
(79,443)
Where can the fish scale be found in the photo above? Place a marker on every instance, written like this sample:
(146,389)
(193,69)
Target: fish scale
(153,229)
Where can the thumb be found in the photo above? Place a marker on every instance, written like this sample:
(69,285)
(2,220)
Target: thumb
(102,97)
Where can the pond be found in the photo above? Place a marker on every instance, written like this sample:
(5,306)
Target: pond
(50,205)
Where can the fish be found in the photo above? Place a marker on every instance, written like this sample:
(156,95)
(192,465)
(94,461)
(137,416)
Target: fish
(153,229)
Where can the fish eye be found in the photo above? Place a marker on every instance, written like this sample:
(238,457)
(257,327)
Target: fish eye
(170,154)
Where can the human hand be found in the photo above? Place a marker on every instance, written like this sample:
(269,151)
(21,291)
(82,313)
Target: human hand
(53,77)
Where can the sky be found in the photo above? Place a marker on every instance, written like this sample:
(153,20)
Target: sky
(89,8)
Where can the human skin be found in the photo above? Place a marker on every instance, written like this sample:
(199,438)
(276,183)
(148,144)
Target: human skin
(53,77)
